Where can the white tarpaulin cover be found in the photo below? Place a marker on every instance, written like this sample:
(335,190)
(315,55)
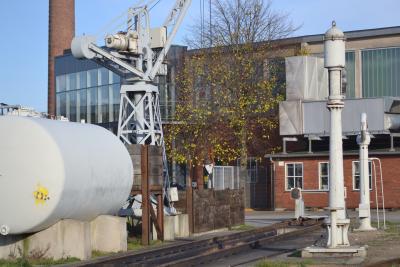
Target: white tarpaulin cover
(306,78)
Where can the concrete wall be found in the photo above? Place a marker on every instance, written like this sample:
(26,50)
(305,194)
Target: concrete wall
(390,166)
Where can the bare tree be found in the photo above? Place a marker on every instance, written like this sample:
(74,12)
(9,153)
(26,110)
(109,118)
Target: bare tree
(229,92)
(235,22)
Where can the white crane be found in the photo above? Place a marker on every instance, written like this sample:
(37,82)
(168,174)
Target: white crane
(137,54)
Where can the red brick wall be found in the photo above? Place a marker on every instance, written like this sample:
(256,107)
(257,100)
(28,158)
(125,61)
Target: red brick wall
(391,182)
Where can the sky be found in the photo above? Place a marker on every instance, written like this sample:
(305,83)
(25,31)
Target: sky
(24,32)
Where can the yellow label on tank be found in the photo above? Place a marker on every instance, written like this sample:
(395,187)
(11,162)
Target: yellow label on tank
(41,195)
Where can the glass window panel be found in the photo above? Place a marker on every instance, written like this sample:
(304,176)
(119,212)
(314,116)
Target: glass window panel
(115,78)
(92,78)
(63,104)
(72,106)
(356,174)
(299,169)
(350,72)
(61,84)
(290,170)
(82,79)
(379,72)
(299,182)
(92,105)
(115,101)
(324,176)
(71,82)
(104,79)
(104,104)
(58,104)
(82,96)
(290,183)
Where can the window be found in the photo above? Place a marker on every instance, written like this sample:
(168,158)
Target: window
(92,105)
(380,68)
(115,102)
(350,74)
(82,105)
(71,81)
(324,176)
(82,80)
(104,111)
(61,83)
(104,76)
(294,175)
(72,106)
(92,78)
(356,175)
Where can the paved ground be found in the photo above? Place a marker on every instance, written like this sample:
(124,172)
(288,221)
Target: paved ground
(382,245)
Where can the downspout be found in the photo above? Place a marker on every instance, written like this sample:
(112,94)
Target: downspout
(272,183)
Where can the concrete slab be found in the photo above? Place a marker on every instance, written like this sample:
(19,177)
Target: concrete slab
(338,252)
(182,225)
(109,234)
(169,227)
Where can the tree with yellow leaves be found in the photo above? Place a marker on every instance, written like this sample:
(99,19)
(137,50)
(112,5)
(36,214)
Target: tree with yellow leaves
(229,92)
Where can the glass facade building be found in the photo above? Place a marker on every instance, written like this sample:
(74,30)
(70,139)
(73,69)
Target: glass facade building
(89,95)
(87,91)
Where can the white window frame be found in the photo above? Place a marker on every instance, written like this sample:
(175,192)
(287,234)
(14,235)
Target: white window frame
(353,170)
(286,175)
(319,176)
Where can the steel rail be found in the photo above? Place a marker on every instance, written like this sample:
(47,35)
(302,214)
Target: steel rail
(196,252)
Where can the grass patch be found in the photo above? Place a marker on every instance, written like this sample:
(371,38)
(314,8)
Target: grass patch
(96,253)
(391,227)
(24,262)
(135,243)
(242,227)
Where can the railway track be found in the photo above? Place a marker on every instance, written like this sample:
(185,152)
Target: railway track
(202,252)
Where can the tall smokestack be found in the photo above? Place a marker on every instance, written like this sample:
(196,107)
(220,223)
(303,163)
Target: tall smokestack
(61,32)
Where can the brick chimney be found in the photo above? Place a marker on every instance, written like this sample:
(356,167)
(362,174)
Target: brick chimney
(61,32)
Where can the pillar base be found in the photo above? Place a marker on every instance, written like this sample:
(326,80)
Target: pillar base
(324,252)
(342,232)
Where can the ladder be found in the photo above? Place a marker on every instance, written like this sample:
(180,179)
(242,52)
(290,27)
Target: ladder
(379,193)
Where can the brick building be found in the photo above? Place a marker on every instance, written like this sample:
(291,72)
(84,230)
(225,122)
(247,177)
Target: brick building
(310,173)
(373,87)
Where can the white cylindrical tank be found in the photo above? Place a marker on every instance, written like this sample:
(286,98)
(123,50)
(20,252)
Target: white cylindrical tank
(52,170)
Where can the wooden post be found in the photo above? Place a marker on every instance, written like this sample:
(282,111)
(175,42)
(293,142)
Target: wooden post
(160,215)
(145,196)
(189,198)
